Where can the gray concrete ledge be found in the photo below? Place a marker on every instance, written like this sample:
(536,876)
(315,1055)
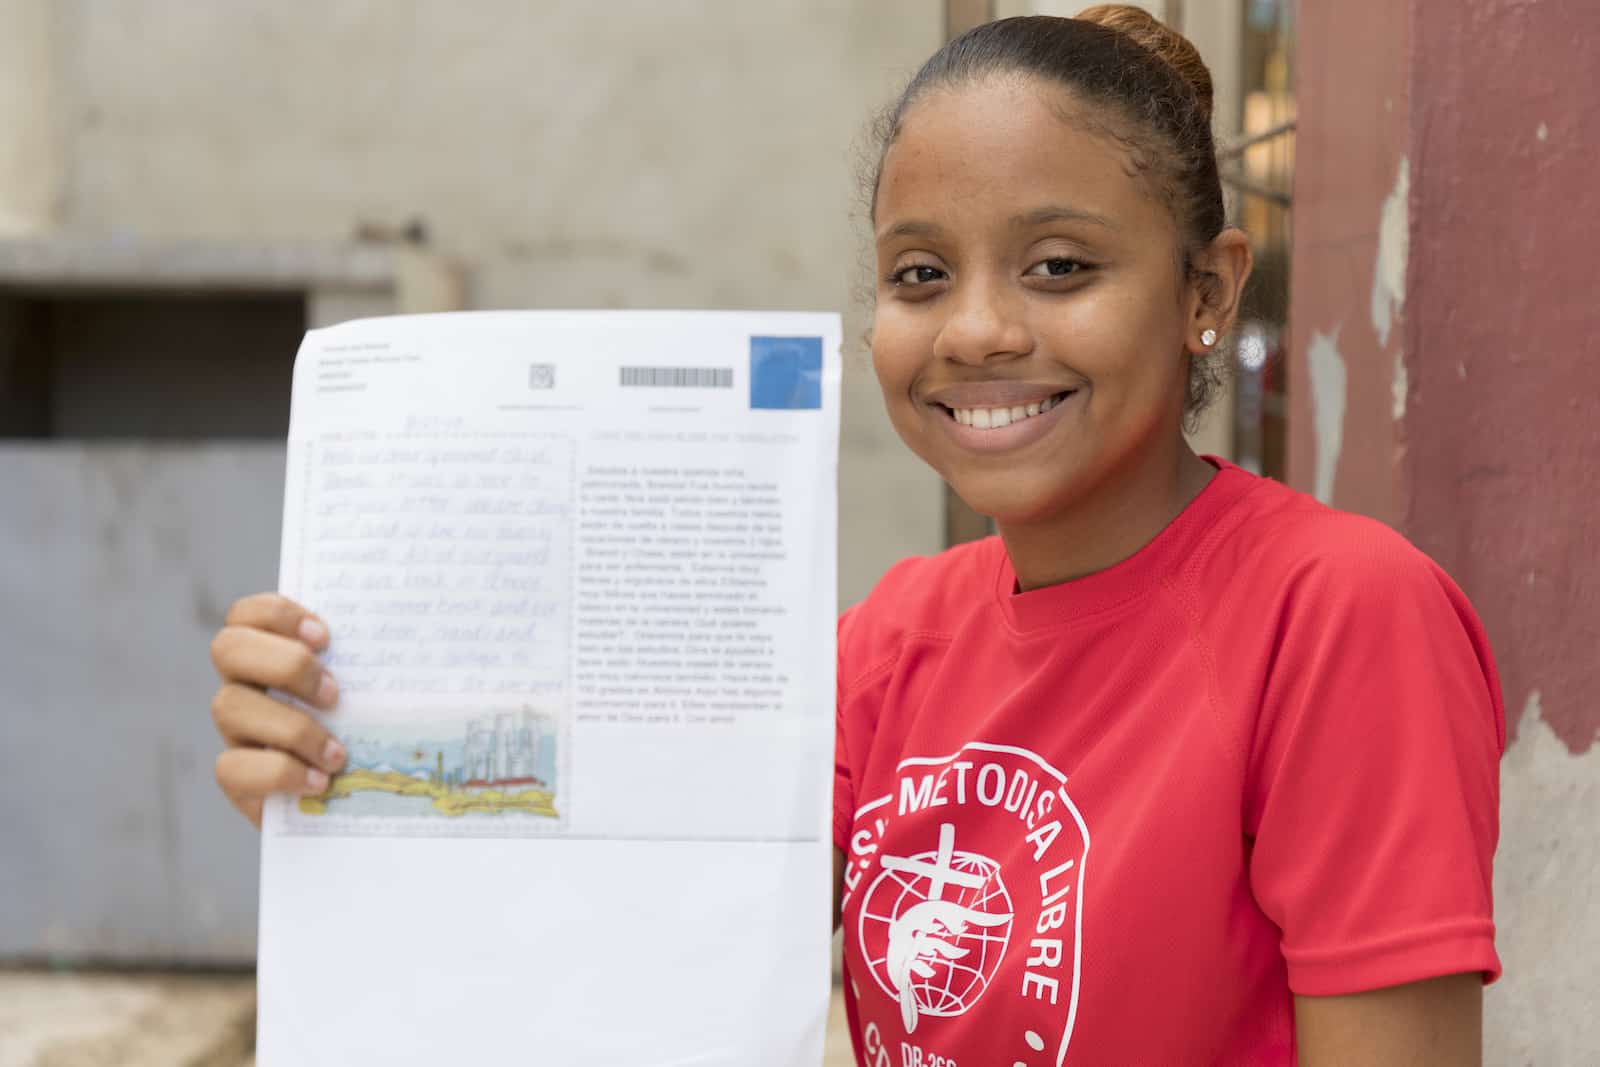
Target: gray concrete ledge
(105,263)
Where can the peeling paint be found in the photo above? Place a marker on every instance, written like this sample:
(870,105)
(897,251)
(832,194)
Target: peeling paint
(1328,379)
(1492,471)
(1394,250)
(1545,916)
(1398,387)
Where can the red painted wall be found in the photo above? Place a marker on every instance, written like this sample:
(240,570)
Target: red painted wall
(1351,98)
(1493,468)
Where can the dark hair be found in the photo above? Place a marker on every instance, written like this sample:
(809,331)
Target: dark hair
(1146,87)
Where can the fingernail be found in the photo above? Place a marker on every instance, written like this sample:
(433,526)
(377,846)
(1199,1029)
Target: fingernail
(316,781)
(332,755)
(312,632)
(327,690)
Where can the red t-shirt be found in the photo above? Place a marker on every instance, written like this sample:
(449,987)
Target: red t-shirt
(1123,819)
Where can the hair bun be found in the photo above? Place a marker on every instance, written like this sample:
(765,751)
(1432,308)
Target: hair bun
(1158,37)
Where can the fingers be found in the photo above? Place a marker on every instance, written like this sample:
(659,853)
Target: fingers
(273,749)
(248,807)
(249,775)
(249,655)
(280,615)
(247,717)
(270,642)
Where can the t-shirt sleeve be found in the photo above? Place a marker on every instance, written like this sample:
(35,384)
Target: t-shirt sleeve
(1373,792)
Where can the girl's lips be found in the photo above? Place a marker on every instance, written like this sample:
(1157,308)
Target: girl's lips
(1004,438)
(992,394)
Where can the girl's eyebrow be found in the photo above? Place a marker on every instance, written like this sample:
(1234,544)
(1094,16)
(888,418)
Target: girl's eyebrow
(1059,213)
(1036,217)
(911,228)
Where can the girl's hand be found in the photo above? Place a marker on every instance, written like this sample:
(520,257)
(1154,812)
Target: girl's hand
(270,641)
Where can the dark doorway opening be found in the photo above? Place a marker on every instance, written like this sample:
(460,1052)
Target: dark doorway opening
(147,365)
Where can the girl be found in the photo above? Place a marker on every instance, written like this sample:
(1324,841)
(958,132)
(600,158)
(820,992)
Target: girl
(1182,767)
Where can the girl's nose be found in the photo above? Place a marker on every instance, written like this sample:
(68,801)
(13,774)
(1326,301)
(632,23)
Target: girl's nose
(985,323)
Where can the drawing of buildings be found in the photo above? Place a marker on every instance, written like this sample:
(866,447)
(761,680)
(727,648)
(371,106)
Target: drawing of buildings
(502,751)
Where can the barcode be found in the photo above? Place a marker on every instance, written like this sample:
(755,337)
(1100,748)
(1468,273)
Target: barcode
(541,376)
(679,377)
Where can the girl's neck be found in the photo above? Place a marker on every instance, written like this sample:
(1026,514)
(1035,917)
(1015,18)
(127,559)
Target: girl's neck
(1112,522)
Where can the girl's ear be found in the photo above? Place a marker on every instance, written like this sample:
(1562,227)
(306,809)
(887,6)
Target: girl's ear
(1218,274)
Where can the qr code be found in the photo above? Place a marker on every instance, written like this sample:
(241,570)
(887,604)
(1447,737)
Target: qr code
(541,376)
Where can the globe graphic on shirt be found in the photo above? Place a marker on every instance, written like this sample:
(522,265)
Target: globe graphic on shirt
(934,927)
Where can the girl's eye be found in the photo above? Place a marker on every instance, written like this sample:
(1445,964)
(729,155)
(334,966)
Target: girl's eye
(917,274)
(1055,267)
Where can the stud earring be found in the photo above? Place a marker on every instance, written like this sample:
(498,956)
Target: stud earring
(1208,338)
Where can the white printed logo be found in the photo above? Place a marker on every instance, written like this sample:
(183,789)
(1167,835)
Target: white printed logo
(938,929)
(945,920)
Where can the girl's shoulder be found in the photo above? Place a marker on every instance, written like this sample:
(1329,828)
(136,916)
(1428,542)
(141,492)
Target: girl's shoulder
(925,596)
(1277,540)
(927,587)
(1302,604)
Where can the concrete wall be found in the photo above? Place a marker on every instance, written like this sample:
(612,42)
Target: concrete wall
(630,154)
(32,163)
(1446,379)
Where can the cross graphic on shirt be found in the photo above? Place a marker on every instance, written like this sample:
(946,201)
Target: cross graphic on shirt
(939,872)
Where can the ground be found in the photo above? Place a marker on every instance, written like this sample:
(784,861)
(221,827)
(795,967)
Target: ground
(70,1019)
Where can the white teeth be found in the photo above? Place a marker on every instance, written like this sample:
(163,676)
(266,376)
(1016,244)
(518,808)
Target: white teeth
(993,418)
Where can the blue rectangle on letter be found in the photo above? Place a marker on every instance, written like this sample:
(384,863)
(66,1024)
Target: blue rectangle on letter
(786,372)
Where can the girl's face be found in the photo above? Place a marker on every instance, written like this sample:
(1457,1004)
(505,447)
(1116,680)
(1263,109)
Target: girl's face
(1032,315)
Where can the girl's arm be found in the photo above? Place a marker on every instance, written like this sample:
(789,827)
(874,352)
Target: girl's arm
(1421,1024)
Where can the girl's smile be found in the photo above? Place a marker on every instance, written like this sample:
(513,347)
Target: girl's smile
(1000,416)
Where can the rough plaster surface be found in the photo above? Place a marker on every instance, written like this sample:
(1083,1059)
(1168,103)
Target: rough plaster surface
(1502,483)
(1352,194)
(1492,372)
(1547,905)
